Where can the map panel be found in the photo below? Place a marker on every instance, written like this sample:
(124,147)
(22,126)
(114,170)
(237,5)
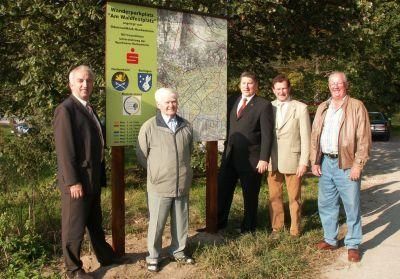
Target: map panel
(192,59)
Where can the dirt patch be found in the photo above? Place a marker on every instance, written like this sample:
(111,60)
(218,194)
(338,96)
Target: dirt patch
(136,252)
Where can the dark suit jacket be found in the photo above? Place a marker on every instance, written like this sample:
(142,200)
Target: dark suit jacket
(78,147)
(250,135)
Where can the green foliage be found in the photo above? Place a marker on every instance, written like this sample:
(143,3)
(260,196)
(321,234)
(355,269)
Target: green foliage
(199,160)
(42,40)
(28,158)
(23,254)
(29,229)
(375,68)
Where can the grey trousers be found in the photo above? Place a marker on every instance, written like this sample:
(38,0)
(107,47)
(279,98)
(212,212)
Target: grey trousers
(159,210)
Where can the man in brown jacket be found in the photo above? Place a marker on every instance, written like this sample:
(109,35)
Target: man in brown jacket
(340,147)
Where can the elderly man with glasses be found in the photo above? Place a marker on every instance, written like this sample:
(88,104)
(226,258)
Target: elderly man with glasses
(340,147)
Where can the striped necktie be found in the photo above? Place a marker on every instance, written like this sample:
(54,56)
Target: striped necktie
(244,102)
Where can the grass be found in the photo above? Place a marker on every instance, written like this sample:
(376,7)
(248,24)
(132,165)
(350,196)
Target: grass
(239,256)
(235,256)
(257,255)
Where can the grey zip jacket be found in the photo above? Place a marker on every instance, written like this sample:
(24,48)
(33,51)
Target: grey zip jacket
(166,156)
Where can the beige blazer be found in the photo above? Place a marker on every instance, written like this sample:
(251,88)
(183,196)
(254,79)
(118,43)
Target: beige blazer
(291,144)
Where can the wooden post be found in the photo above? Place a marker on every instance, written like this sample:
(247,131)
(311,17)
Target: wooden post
(118,200)
(211,187)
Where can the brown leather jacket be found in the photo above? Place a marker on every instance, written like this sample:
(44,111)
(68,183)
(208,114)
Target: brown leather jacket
(354,135)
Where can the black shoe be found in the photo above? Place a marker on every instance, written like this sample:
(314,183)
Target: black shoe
(202,229)
(79,274)
(245,230)
(222,226)
(115,261)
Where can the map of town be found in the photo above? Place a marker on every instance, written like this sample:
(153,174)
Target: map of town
(192,52)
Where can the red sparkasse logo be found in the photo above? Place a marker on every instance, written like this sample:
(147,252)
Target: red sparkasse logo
(132,57)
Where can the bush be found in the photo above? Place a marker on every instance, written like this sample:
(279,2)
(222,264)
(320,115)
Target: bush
(199,161)
(23,254)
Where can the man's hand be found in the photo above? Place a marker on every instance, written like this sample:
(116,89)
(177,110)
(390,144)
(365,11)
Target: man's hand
(355,173)
(262,166)
(316,170)
(301,170)
(76,191)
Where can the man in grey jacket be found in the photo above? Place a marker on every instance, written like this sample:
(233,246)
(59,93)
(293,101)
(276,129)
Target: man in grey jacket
(165,144)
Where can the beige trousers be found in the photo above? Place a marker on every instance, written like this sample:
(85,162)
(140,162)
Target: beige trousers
(276,211)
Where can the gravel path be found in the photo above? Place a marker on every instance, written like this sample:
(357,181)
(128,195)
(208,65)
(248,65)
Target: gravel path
(380,207)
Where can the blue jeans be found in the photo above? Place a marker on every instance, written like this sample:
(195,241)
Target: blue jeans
(333,184)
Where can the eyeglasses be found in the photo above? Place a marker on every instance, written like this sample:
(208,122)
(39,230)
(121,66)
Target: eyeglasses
(337,83)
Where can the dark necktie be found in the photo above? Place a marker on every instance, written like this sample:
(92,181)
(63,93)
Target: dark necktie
(242,107)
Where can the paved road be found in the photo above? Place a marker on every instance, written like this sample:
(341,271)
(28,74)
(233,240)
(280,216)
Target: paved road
(380,206)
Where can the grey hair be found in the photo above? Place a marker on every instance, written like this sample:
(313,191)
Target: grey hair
(163,92)
(338,73)
(79,68)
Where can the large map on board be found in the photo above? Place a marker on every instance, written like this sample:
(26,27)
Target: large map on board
(192,59)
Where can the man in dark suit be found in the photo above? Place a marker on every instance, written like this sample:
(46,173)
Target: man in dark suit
(247,151)
(79,141)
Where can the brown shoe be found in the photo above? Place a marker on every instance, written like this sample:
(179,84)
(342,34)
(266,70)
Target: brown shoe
(325,246)
(275,235)
(353,255)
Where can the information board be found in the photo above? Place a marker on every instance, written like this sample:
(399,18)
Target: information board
(148,48)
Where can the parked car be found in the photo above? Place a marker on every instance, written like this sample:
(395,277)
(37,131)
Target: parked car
(21,129)
(380,125)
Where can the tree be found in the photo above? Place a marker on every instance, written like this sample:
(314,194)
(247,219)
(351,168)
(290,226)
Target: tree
(41,40)
(376,68)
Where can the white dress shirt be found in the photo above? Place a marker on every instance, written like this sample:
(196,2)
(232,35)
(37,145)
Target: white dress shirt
(248,99)
(330,132)
(281,109)
(170,121)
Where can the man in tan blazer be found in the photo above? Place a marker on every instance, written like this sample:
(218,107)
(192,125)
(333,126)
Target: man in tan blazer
(289,156)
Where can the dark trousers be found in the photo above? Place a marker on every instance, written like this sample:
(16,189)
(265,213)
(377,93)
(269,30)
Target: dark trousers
(76,215)
(250,181)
